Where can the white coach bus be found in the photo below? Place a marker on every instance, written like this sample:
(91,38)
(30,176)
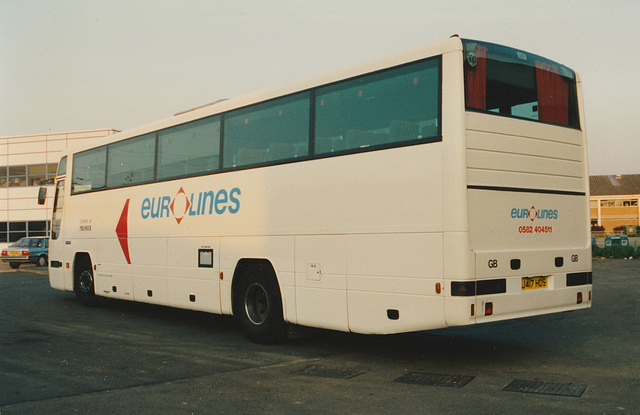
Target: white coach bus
(443,186)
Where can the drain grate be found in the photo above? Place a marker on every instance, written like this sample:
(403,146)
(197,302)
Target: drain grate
(546,388)
(435,379)
(330,372)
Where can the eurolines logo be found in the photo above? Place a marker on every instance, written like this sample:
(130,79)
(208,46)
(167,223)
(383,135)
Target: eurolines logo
(180,206)
(534,213)
(194,204)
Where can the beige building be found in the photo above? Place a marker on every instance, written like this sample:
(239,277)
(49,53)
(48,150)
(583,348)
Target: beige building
(615,201)
(25,161)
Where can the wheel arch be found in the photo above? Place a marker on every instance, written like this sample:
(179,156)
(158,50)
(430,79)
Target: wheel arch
(241,266)
(257,301)
(77,259)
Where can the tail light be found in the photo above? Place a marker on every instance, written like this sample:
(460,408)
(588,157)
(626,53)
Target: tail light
(25,253)
(488,309)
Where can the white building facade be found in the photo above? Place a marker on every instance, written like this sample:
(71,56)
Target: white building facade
(25,162)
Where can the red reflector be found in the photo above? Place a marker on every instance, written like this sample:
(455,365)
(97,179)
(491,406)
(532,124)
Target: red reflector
(589,295)
(438,288)
(473,310)
(579,301)
(488,309)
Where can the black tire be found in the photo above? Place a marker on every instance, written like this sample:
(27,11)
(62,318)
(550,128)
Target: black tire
(14,265)
(258,305)
(42,261)
(83,283)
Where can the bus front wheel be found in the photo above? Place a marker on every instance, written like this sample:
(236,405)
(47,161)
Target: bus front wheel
(258,305)
(84,283)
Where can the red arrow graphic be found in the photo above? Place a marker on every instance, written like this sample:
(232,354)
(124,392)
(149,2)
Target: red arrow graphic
(122,231)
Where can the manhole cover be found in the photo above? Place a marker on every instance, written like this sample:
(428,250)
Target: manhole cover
(547,388)
(435,379)
(330,372)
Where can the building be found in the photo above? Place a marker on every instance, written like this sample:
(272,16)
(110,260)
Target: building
(615,201)
(26,161)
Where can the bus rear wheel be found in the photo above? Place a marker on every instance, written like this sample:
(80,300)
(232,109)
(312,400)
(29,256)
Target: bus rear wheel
(258,305)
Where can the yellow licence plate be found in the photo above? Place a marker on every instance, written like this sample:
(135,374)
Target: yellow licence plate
(533,283)
(14,253)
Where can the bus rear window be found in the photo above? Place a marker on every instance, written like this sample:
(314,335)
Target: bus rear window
(510,82)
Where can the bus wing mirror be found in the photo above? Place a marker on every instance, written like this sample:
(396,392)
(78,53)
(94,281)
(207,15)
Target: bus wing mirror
(42,195)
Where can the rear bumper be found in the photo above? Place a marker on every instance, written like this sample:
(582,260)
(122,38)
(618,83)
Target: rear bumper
(22,260)
(500,290)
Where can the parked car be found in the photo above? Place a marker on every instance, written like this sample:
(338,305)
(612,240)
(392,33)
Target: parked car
(27,250)
(616,240)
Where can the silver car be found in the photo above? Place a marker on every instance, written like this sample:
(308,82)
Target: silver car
(27,250)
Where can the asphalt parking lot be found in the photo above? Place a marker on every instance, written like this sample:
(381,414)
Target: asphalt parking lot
(57,356)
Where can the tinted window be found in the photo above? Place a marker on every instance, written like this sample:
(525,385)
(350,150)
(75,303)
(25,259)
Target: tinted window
(386,108)
(62,167)
(189,149)
(132,161)
(58,209)
(269,132)
(89,170)
(510,82)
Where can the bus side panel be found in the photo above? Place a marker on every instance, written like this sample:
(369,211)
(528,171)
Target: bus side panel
(391,282)
(56,278)
(150,289)
(114,282)
(144,280)
(379,313)
(321,281)
(112,271)
(459,265)
(191,285)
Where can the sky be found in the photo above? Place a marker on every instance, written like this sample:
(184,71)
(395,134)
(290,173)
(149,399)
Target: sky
(72,65)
